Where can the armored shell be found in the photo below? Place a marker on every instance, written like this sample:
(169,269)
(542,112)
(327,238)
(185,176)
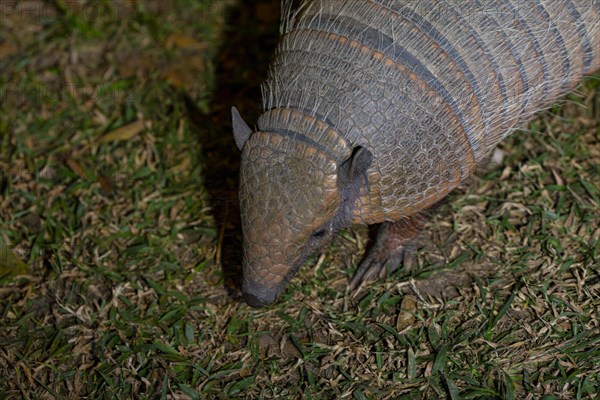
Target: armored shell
(374,110)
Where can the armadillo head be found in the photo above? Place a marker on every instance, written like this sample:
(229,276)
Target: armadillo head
(293,197)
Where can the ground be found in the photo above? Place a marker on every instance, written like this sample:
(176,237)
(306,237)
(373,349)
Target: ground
(120,237)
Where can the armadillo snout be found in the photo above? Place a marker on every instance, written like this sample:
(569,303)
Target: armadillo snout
(256,295)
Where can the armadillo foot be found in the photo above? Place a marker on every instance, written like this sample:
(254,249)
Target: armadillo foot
(395,244)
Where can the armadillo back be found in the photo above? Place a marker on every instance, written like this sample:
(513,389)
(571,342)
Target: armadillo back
(429,87)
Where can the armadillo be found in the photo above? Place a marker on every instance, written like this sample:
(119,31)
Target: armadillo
(375,110)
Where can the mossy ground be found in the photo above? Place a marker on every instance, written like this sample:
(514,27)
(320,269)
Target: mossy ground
(120,238)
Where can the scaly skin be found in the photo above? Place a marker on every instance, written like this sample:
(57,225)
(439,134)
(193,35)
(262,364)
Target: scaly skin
(375,110)
(274,174)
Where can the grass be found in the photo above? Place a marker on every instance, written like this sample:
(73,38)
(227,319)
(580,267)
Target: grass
(120,238)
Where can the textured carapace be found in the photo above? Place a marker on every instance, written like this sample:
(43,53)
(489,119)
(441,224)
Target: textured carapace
(377,109)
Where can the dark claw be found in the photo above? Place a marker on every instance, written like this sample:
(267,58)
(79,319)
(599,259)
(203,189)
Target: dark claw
(359,275)
(381,265)
(392,264)
(395,246)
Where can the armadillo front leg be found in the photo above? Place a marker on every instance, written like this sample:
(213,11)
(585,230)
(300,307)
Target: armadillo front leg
(395,244)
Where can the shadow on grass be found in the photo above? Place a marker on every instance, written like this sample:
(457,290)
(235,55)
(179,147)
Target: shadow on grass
(248,41)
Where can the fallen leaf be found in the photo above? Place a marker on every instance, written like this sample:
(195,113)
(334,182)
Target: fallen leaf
(105,184)
(125,132)
(184,41)
(77,167)
(86,173)
(406,316)
(10,264)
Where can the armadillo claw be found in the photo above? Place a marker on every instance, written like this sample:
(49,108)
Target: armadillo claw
(379,264)
(395,244)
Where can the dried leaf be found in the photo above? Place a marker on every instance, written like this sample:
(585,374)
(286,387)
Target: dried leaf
(10,264)
(122,133)
(105,184)
(76,166)
(406,316)
(184,41)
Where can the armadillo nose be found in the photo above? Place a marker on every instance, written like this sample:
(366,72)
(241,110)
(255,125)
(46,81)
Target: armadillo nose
(257,296)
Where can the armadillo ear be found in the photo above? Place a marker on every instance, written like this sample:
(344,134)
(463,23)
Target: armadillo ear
(241,130)
(355,166)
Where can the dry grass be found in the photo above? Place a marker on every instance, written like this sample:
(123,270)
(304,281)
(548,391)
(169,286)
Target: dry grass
(119,238)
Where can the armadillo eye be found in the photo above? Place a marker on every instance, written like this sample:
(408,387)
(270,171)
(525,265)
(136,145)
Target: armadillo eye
(318,234)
